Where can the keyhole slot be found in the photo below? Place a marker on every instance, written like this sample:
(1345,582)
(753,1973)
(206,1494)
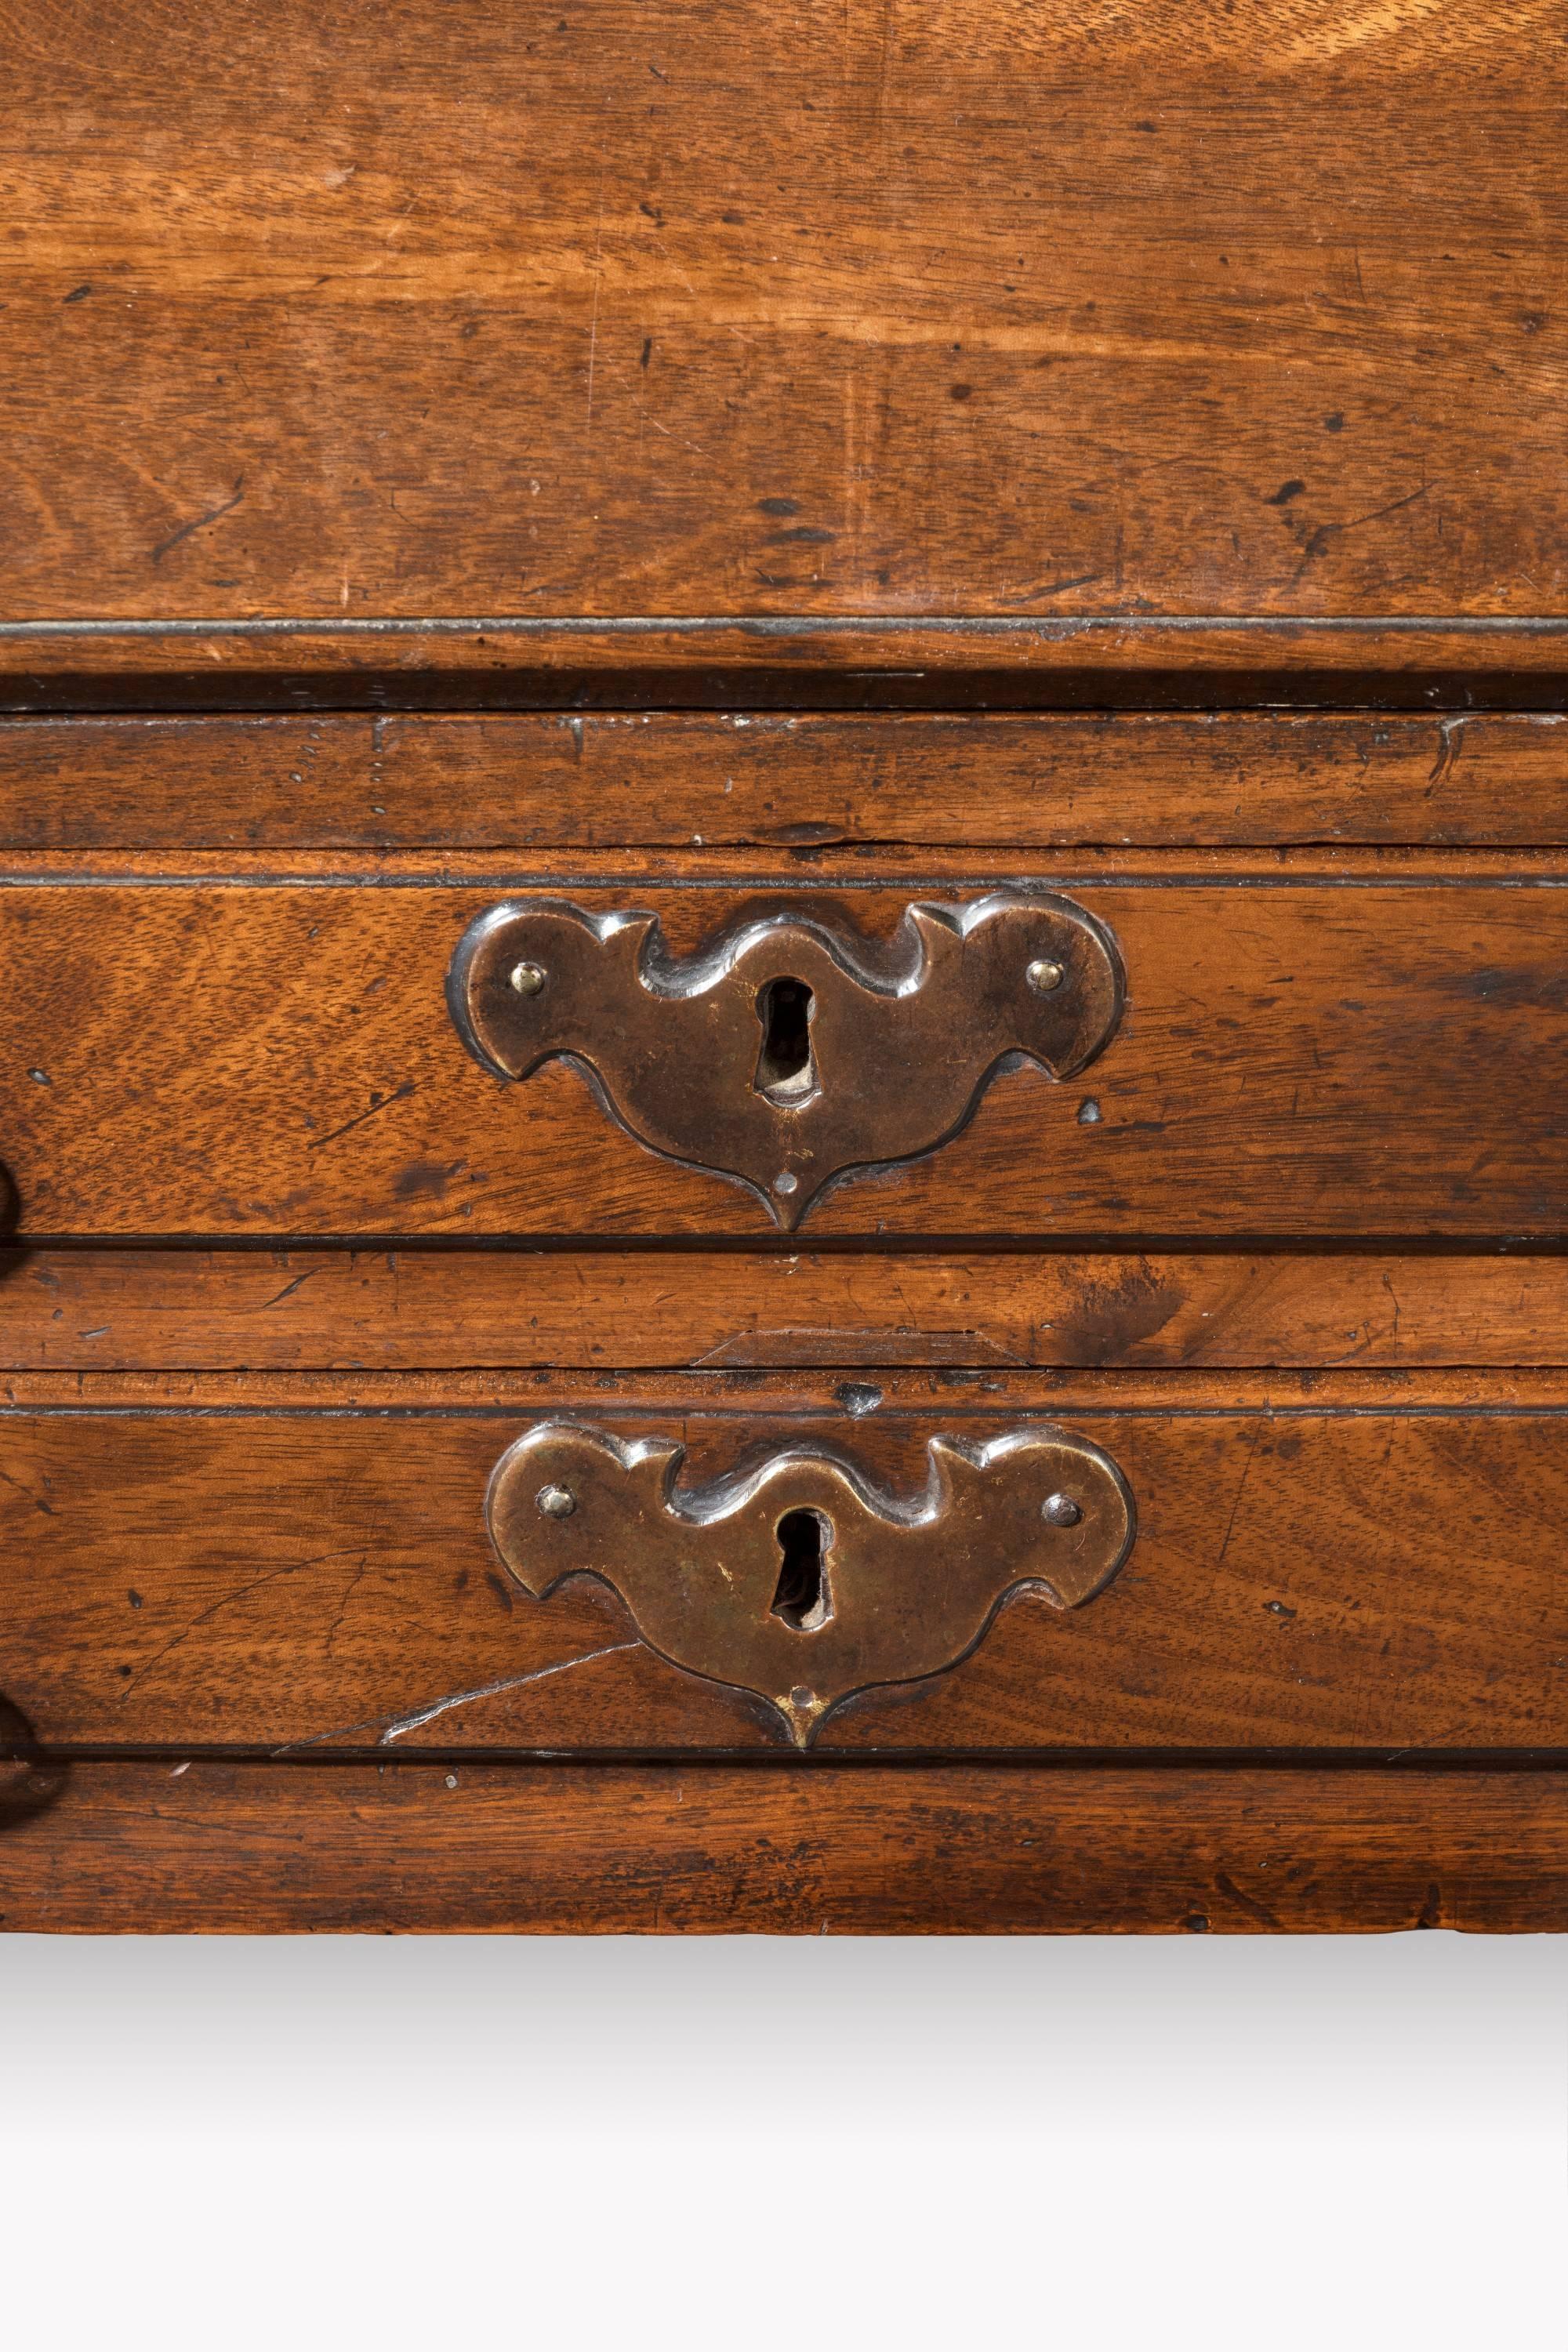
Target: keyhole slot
(803,1598)
(786,1067)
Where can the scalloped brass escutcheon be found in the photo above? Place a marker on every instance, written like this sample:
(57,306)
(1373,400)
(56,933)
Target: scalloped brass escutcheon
(790,1050)
(796,1577)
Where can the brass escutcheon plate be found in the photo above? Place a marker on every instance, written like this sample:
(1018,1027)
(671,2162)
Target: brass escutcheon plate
(789,1051)
(796,1577)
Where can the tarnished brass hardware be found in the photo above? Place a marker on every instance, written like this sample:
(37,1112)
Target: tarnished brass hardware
(791,1050)
(795,1575)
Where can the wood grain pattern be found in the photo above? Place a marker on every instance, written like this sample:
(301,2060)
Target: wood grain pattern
(530,780)
(1371,1578)
(96,1310)
(998,309)
(252,1849)
(1317,1060)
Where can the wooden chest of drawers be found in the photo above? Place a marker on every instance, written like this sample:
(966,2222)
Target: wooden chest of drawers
(785,812)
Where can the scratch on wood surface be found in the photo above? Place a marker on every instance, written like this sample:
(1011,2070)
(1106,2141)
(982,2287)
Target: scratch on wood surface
(646,417)
(834,1346)
(19,1487)
(593,320)
(1259,1911)
(1450,732)
(361,1565)
(213,514)
(383,1102)
(425,1715)
(1318,544)
(288,1288)
(227,1601)
(386,1732)
(1393,1302)
(1257,1427)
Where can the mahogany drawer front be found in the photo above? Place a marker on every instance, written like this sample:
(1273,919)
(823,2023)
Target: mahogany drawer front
(263,1312)
(795,780)
(110,1847)
(1021,311)
(1341,1577)
(1321,1057)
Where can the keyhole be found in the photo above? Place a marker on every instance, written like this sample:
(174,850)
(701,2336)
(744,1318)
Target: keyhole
(786,1068)
(803,1598)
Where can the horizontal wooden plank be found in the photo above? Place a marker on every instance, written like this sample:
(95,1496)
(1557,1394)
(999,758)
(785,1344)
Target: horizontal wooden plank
(923,663)
(1002,308)
(1335,1058)
(540,779)
(788,1391)
(413,1309)
(1377,1578)
(913,869)
(250,1849)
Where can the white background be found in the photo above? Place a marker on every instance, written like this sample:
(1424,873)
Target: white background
(1129,2143)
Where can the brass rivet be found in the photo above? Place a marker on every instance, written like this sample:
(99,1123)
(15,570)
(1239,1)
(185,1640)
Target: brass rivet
(1043,975)
(801,1696)
(786,1182)
(527,979)
(1060,1510)
(556,1502)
